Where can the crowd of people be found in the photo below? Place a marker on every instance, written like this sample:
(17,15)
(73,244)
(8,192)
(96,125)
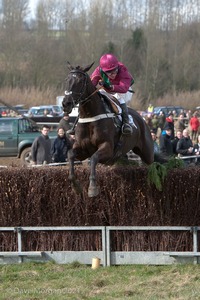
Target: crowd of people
(172,137)
(176,136)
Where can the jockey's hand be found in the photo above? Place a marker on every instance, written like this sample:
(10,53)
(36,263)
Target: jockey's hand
(108,87)
(105,85)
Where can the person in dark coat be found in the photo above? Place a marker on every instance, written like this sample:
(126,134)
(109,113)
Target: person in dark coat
(64,122)
(161,120)
(185,146)
(166,148)
(156,147)
(179,125)
(60,147)
(178,136)
(41,148)
(169,123)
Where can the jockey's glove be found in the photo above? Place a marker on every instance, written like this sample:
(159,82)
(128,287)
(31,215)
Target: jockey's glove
(106,85)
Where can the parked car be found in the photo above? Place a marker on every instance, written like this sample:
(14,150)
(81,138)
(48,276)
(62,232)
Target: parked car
(168,109)
(7,111)
(16,137)
(45,110)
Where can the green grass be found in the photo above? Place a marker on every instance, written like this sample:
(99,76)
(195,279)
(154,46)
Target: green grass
(50,281)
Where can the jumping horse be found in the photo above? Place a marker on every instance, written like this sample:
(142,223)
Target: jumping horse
(98,130)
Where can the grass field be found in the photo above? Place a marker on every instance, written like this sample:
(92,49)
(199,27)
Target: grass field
(50,281)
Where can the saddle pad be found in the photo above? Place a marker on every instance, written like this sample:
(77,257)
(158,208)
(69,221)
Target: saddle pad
(113,101)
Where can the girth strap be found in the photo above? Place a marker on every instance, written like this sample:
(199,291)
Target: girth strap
(96,118)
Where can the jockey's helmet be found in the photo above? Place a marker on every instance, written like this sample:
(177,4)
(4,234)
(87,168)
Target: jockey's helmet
(108,62)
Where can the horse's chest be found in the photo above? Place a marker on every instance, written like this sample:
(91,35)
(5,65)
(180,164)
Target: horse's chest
(90,139)
(93,132)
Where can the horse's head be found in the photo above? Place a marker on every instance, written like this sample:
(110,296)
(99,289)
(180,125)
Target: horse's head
(76,87)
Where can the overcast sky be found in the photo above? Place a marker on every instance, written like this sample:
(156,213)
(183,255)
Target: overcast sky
(32,5)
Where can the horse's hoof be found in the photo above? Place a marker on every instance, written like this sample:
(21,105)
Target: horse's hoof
(93,191)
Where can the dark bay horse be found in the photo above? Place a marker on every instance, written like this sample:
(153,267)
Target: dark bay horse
(97,135)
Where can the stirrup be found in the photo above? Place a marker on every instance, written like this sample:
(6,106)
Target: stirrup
(71,131)
(127,129)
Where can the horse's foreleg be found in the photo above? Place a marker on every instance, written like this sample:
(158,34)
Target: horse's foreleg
(72,177)
(93,189)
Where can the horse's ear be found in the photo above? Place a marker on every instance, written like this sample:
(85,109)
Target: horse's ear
(87,68)
(70,67)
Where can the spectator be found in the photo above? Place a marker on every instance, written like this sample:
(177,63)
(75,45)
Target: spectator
(41,148)
(194,124)
(197,150)
(64,122)
(174,114)
(166,148)
(185,146)
(155,144)
(178,136)
(60,147)
(148,121)
(46,113)
(188,114)
(4,113)
(150,109)
(154,122)
(161,120)
(179,124)
(169,123)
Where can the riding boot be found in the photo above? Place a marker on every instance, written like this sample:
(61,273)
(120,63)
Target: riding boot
(126,127)
(71,131)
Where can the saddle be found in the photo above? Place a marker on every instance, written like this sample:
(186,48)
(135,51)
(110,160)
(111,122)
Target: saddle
(112,105)
(111,102)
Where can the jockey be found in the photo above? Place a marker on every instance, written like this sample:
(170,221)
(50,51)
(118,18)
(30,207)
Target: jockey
(114,77)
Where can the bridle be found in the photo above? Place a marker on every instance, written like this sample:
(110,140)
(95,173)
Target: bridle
(81,100)
(83,89)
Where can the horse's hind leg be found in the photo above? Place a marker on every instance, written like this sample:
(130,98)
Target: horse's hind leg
(72,177)
(93,189)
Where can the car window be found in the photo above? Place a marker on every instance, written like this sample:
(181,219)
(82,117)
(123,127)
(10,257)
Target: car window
(25,126)
(32,110)
(57,109)
(39,111)
(6,127)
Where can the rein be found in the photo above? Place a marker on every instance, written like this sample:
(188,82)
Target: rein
(93,93)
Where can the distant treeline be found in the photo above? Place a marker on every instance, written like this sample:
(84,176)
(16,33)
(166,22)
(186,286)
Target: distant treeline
(159,41)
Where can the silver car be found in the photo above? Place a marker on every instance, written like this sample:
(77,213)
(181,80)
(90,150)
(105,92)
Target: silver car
(45,110)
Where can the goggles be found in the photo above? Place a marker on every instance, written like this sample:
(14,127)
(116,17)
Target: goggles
(114,71)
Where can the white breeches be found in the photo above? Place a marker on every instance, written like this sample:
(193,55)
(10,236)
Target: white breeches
(122,98)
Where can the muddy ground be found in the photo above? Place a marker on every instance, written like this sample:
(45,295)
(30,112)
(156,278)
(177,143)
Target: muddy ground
(10,161)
